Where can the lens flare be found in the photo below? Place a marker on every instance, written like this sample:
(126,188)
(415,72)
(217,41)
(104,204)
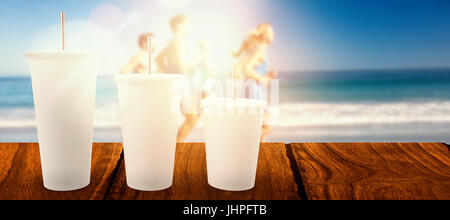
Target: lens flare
(108,16)
(85,36)
(174,4)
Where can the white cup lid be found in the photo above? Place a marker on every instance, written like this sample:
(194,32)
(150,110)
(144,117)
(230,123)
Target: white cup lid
(61,54)
(147,78)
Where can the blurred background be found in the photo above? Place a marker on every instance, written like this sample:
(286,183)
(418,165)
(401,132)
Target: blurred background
(349,70)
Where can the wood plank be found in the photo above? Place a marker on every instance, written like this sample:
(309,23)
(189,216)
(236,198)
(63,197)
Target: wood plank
(21,174)
(374,171)
(274,181)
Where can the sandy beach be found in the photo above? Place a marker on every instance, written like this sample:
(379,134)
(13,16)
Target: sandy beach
(411,132)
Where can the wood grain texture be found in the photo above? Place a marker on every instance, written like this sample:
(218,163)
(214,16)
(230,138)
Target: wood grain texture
(21,174)
(374,171)
(274,179)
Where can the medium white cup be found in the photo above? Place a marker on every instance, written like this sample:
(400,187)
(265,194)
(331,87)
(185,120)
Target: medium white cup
(148,108)
(232,136)
(64,86)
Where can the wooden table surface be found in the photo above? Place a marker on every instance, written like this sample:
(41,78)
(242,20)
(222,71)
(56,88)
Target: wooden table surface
(285,172)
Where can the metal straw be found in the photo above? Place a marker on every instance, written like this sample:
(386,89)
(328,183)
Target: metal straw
(63,30)
(233,83)
(149,43)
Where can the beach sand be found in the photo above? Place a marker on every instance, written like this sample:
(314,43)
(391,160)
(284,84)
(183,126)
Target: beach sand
(407,132)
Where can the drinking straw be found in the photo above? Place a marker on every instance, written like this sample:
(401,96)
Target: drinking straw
(63,30)
(149,43)
(233,83)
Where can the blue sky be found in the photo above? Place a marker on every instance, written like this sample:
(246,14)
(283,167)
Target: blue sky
(371,33)
(310,34)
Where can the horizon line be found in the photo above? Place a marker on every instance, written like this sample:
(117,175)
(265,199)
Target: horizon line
(26,74)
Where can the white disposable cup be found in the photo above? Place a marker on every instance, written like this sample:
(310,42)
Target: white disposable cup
(64,86)
(232,136)
(148,107)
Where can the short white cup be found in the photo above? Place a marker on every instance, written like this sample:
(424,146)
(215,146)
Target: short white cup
(64,86)
(148,109)
(232,136)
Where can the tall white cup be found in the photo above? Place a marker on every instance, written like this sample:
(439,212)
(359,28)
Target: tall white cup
(232,136)
(148,106)
(64,86)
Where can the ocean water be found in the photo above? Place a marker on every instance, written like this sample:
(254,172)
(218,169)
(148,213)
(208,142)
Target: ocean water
(365,97)
(357,105)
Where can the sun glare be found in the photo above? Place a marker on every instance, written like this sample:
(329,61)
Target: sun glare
(114,31)
(174,4)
